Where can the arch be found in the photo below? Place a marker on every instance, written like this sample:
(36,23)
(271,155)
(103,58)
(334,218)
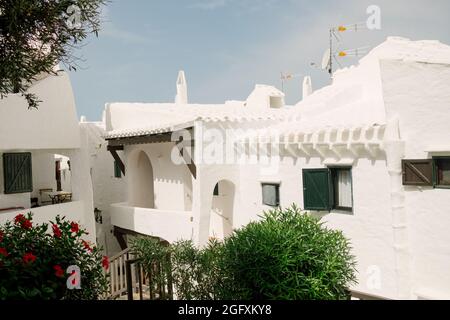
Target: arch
(222,210)
(141,181)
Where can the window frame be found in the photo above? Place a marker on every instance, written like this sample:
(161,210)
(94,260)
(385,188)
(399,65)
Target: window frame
(333,174)
(436,184)
(277,193)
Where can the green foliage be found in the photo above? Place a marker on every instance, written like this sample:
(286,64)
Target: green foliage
(288,255)
(35,35)
(197,273)
(34,260)
(154,256)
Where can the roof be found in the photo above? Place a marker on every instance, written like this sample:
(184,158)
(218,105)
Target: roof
(139,119)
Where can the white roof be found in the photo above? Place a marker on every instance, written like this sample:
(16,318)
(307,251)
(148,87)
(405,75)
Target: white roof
(355,99)
(138,119)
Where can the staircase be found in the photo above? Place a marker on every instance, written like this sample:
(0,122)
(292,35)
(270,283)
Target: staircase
(128,280)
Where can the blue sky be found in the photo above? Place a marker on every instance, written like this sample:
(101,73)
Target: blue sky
(228,46)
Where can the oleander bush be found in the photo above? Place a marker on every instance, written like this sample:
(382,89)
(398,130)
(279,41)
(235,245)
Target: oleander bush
(34,260)
(287,255)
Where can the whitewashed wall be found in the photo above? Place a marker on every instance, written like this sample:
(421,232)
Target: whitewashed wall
(51,129)
(53,125)
(419,94)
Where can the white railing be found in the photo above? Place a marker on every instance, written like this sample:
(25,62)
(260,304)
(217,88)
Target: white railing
(117,274)
(358,295)
(165,224)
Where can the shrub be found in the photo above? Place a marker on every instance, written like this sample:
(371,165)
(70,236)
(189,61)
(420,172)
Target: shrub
(34,260)
(289,255)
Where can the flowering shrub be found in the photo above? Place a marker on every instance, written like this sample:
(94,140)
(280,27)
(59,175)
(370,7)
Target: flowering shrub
(34,261)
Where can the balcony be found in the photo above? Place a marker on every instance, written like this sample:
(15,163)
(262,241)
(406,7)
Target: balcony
(73,211)
(168,225)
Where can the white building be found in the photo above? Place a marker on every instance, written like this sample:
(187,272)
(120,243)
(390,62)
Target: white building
(108,184)
(370,154)
(44,164)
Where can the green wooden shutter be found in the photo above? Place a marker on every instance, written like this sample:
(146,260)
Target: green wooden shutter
(417,172)
(317,189)
(117,172)
(17,173)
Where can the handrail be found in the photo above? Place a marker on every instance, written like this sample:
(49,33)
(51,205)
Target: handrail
(117,274)
(366,296)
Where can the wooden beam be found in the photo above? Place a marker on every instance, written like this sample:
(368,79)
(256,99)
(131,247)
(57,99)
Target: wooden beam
(120,235)
(113,150)
(189,162)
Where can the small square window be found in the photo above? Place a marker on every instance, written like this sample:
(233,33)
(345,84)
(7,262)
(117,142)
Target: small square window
(271,194)
(442,171)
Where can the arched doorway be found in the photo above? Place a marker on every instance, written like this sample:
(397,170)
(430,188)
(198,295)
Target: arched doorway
(221,223)
(141,182)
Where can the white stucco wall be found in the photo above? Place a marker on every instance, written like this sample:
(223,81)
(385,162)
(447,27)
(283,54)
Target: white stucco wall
(172,183)
(52,126)
(107,189)
(419,95)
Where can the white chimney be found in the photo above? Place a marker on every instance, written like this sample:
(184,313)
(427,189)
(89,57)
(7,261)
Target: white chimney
(307,87)
(182,95)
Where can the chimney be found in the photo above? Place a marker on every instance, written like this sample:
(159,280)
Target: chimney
(182,96)
(307,87)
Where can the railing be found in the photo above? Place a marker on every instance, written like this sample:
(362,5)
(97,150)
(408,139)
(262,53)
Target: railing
(152,284)
(358,295)
(117,275)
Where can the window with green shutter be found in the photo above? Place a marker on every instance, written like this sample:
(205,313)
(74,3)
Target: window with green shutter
(317,193)
(17,173)
(117,171)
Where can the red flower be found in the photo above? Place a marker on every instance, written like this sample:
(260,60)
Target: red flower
(24,222)
(59,272)
(3,252)
(29,258)
(19,218)
(74,227)
(86,245)
(105,262)
(27,224)
(56,231)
